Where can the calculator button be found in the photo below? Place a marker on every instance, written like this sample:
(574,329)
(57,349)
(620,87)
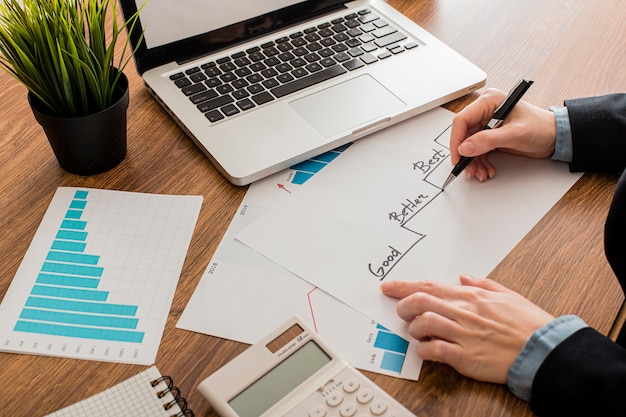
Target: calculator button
(348,410)
(334,399)
(317,411)
(351,385)
(378,408)
(364,396)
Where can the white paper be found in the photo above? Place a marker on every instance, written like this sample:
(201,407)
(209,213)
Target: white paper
(243,296)
(378,214)
(98,279)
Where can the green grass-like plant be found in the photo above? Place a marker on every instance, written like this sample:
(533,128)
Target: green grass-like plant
(59,50)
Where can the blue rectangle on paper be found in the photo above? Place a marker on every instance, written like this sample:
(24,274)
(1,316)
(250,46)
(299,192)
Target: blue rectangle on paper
(73,293)
(71,235)
(76,258)
(309,166)
(391,342)
(83,332)
(301,177)
(80,306)
(73,214)
(326,157)
(392,362)
(81,194)
(69,246)
(68,281)
(73,224)
(90,271)
(78,204)
(79,319)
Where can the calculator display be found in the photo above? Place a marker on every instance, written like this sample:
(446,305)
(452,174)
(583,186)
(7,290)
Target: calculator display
(279,381)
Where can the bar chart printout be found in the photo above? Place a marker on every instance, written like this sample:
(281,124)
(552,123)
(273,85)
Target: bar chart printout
(98,279)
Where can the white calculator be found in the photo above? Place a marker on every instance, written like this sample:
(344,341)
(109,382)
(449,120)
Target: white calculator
(292,373)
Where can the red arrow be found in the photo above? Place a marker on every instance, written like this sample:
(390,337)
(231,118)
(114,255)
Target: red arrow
(283,187)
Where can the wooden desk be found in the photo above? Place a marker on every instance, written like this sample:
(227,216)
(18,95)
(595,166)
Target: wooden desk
(570,48)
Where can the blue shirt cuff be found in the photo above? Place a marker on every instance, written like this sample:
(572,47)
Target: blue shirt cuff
(563,148)
(541,343)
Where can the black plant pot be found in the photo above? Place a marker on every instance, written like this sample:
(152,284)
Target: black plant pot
(91,144)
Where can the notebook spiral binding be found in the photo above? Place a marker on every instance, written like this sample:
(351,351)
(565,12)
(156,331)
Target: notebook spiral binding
(172,389)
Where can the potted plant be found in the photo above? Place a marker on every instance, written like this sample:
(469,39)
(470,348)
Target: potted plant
(59,50)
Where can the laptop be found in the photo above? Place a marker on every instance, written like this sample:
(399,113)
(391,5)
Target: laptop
(262,85)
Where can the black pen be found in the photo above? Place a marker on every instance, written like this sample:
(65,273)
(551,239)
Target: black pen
(498,116)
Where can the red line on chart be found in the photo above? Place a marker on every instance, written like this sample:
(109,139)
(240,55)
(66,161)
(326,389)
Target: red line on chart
(308,296)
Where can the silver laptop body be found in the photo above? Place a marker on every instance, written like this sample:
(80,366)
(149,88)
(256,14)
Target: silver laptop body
(376,67)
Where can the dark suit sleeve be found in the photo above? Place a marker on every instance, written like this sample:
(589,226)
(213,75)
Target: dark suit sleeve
(585,375)
(598,133)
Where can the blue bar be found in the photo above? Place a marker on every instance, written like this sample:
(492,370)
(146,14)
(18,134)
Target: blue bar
(80,306)
(392,362)
(73,293)
(391,342)
(76,258)
(71,235)
(309,166)
(68,281)
(83,332)
(79,319)
(343,147)
(90,271)
(301,177)
(73,214)
(327,157)
(73,224)
(81,194)
(70,246)
(78,204)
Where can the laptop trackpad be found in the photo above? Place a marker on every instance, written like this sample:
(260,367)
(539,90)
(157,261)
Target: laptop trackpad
(347,105)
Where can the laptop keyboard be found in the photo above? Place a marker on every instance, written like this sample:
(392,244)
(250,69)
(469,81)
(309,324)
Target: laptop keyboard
(247,79)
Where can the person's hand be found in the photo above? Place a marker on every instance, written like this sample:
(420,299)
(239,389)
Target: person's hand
(478,327)
(527,130)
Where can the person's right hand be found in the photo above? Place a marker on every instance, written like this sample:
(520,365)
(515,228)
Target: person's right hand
(527,130)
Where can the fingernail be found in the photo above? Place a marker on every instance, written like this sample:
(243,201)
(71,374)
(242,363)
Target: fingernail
(467,148)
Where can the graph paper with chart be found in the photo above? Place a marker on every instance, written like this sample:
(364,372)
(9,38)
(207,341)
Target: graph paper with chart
(239,281)
(98,279)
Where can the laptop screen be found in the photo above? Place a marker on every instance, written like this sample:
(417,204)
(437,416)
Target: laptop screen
(167,21)
(182,30)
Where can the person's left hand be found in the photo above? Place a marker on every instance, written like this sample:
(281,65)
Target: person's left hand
(478,327)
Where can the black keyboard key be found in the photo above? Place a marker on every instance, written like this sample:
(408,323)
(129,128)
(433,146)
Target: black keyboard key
(193,89)
(254,78)
(214,116)
(182,82)
(270,83)
(245,104)
(177,76)
(353,64)
(197,77)
(308,81)
(204,96)
(262,98)
(240,94)
(255,89)
(230,110)
(285,78)
(215,103)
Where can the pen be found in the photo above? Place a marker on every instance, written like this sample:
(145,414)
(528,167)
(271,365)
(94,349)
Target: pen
(498,116)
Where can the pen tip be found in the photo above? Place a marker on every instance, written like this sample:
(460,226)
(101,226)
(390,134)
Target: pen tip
(448,181)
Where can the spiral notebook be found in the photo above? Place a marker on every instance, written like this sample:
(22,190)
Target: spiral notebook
(147,394)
